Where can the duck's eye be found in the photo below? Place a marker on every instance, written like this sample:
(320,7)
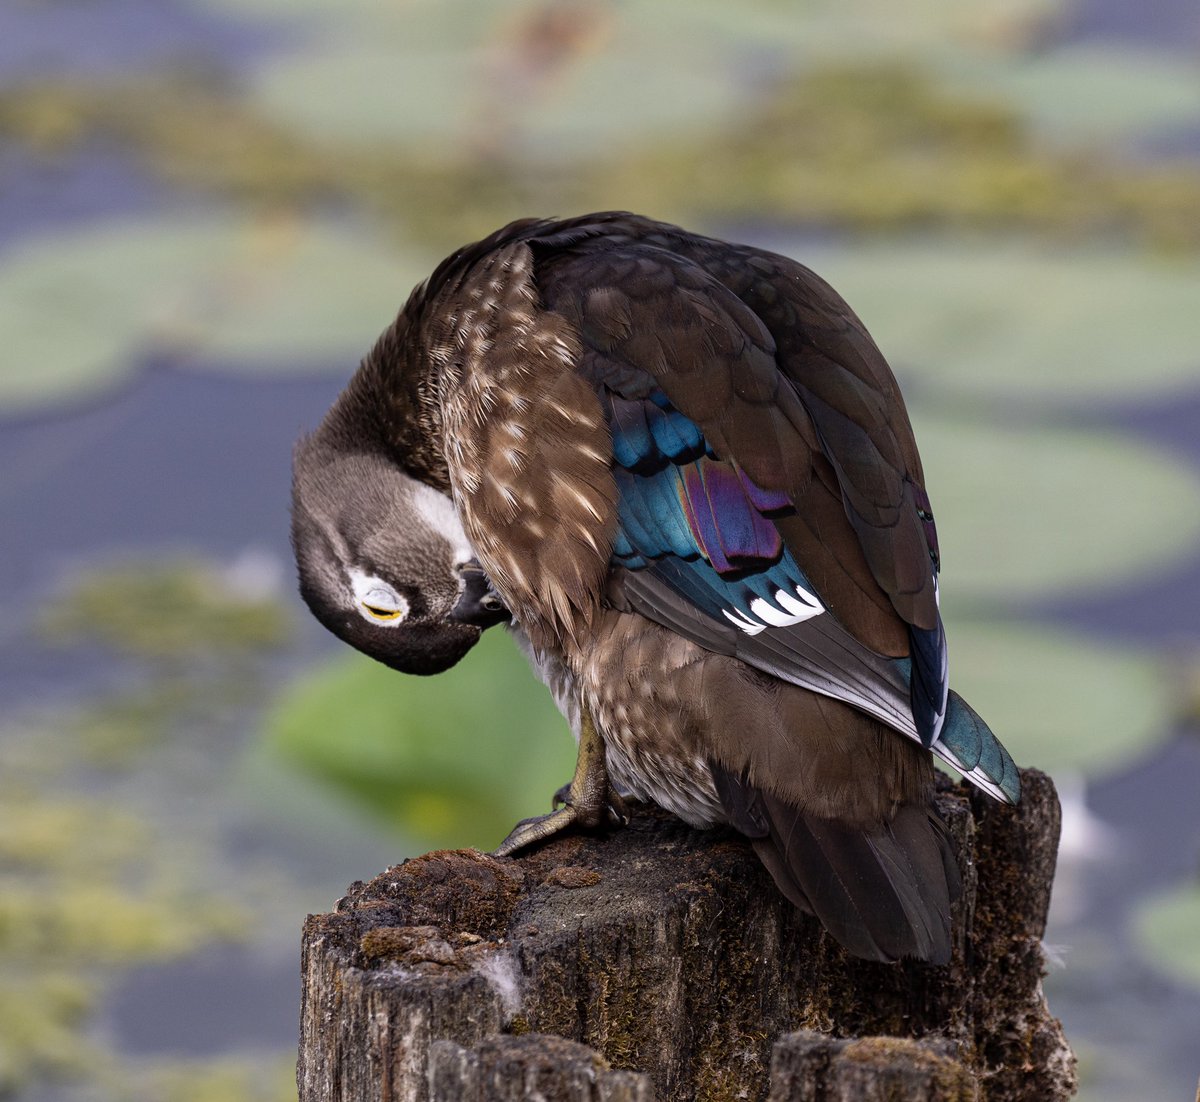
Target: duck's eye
(376,600)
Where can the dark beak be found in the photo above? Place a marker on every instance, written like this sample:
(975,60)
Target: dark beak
(479,603)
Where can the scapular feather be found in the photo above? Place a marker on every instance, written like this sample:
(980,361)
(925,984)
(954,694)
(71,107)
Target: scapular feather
(634,447)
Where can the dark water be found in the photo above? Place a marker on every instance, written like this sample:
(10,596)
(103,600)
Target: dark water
(248,989)
(70,191)
(1135,1029)
(1171,26)
(194,462)
(177,461)
(44,39)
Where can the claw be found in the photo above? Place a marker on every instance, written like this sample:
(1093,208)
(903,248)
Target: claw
(618,808)
(588,802)
(528,832)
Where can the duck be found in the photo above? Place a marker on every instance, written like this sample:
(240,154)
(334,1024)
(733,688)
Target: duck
(683,472)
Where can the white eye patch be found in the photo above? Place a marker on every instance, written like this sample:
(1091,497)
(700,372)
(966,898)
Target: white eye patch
(376,601)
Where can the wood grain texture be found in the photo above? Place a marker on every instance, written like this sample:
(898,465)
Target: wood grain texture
(535,1065)
(669,953)
(813,1067)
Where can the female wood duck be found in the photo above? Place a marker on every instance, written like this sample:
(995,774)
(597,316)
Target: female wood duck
(688,472)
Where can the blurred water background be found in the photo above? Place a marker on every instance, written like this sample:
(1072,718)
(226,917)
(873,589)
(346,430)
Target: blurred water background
(208,210)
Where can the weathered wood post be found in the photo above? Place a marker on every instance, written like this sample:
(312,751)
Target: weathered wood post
(660,962)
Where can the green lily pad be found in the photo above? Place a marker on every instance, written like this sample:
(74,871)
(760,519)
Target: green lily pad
(77,310)
(1167,930)
(444,99)
(1091,94)
(363,92)
(872,28)
(990,320)
(306,295)
(1042,510)
(72,309)
(1058,700)
(453,760)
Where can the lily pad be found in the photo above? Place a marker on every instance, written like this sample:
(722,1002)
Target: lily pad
(872,28)
(449,97)
(78,310)
(1088,94)
(1037,510)
(1059,700)
(454,760)
(1167,930)
(988,320)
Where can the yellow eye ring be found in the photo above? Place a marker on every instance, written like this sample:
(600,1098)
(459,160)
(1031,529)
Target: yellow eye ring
(383,613)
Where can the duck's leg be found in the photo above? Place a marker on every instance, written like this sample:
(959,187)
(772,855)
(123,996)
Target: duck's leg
(589,801)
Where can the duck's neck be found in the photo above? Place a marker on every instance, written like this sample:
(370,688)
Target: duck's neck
(390,406)
(448,322)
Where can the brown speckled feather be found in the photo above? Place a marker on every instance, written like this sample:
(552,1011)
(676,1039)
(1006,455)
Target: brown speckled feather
(527,450)
(499,358)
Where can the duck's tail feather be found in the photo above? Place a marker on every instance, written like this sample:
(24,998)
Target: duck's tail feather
(884,894)
(967,743)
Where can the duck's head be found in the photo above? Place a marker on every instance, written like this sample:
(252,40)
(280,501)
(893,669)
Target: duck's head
(384,563)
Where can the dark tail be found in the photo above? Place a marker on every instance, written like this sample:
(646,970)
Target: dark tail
(883,894)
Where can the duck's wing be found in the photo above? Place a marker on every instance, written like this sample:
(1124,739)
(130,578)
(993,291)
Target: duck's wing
(769,494)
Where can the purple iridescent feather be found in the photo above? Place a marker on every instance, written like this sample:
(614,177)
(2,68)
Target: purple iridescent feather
(725,522)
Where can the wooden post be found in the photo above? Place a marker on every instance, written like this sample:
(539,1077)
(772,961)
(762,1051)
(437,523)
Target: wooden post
(668,960)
